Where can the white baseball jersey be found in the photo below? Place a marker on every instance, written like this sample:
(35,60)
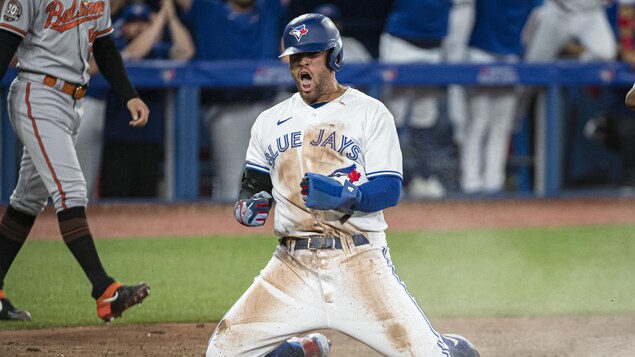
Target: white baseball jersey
(354,289)
(57,34)
(293,138)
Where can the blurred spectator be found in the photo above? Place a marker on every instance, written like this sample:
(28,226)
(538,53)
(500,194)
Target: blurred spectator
(145,35)
(616,129)
(132,162)
(414,33)
(356,52)
(557,22)
(496,38)
(625,21)
(460,25)
(90,140)
(551,31)
(234,30)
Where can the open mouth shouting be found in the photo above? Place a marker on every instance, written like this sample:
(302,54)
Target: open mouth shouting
(306,81)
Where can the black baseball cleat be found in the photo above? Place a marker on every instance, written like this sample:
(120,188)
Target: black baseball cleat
(459,346)
(117,298)
(8,312)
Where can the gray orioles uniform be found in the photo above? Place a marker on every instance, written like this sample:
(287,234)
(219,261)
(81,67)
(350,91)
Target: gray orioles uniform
(45,105)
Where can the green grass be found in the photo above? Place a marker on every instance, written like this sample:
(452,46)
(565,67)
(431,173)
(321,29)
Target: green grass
(497,272)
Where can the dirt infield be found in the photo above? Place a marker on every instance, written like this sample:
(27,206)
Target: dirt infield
(540,336)
(496,337)
(136,220)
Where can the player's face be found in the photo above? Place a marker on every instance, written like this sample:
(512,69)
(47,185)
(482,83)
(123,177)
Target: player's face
(316,83)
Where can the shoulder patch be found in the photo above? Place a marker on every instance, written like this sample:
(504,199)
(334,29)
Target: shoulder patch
(13,11)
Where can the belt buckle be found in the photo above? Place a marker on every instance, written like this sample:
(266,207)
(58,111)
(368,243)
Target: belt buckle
(308,245)
(331,240)
(80,92)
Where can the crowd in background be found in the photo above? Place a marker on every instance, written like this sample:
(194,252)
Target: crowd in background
(471,158)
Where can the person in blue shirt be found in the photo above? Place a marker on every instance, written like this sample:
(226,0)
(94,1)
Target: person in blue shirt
(496,38)
(132,161)
(414,33)
(225,31)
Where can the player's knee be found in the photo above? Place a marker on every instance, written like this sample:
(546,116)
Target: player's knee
(607,53)
(73,196)
(32,207)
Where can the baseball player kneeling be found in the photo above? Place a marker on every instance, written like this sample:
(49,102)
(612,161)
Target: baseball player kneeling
(329,157)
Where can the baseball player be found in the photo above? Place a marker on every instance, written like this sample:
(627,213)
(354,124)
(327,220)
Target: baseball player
(54,40)
(329,157)
(414,33)
(460,23)
(560,21)
(495,38)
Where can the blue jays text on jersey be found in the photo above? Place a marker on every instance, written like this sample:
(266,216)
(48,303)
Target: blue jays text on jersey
(337,142)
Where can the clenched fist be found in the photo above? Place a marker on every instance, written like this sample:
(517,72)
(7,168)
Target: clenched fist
(254,211)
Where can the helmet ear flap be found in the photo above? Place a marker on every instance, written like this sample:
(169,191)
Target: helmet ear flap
(335,58)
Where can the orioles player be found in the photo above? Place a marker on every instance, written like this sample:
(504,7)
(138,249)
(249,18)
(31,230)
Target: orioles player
(54,40)
(329,157)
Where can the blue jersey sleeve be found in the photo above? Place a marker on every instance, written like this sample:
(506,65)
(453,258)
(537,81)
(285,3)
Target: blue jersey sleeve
(379,193)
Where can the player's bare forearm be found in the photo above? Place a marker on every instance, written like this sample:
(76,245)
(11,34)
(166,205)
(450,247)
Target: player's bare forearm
(141,46)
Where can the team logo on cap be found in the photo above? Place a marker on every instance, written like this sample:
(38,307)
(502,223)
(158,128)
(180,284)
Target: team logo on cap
(299,31)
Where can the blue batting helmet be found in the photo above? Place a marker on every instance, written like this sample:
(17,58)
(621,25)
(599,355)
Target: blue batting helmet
(314,33)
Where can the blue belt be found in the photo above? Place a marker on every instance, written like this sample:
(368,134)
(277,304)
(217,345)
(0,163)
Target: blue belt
(323,242)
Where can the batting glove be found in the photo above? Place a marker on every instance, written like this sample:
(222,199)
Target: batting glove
(324,193)
(254,211)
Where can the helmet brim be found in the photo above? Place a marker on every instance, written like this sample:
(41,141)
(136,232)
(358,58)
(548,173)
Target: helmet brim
(305,48)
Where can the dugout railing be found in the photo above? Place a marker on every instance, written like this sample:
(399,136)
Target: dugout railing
(184,81)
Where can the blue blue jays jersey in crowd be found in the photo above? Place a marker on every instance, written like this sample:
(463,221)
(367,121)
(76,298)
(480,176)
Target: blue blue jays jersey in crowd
(220,33)
(419,20)
(499,24)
